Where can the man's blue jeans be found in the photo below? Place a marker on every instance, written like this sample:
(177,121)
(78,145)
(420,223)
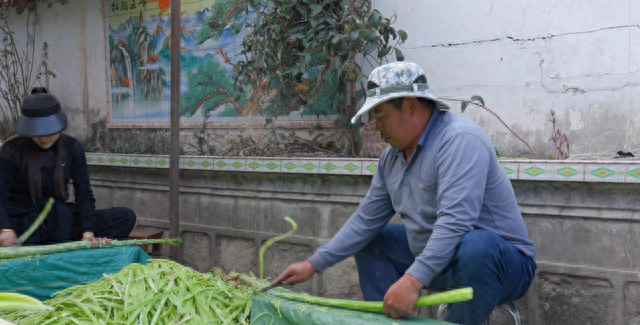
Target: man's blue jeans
(496,271)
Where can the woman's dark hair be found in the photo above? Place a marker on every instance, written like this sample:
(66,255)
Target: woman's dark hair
(33,160)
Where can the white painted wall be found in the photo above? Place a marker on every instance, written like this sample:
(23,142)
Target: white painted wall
(580,58)
(75,34)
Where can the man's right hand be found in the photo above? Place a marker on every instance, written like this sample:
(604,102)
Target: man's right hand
(296,273)
(7,238)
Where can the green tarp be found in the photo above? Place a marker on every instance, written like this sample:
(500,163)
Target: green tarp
(272,310)
(42,276)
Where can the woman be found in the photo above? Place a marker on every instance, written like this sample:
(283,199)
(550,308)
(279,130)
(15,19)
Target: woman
(37,164)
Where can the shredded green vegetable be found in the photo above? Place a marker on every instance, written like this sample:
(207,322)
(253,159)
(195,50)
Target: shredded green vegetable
(161,292)
(269,242)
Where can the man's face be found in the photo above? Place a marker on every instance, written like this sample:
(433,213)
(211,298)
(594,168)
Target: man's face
(392,124)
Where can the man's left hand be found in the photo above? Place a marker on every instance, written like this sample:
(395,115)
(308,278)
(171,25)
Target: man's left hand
(401,297)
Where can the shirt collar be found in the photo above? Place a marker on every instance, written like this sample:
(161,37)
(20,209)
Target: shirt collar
(430,126)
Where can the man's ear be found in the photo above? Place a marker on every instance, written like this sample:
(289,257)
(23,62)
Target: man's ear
(412,103)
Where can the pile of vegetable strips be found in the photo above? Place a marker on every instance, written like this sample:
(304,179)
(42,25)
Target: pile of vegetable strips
(160,292)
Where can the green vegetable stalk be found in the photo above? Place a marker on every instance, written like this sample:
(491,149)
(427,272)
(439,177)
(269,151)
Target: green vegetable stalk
(43,215)
(26,251)
(446,297)
(16,301)
(269,242)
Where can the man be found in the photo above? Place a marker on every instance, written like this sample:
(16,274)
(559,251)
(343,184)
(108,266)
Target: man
(461,226)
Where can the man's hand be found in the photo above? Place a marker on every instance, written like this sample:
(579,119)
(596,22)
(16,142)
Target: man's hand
(7,238)
(295,273)
(88,236)
(401,297)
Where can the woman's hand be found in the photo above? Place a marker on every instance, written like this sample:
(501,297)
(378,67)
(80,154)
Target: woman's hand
(89,237)
(7,237)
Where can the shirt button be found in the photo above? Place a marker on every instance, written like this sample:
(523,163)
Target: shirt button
(420,186)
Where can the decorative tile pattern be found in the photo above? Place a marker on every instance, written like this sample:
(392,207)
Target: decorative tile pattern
(196,162)
(303,166)
(149,162)
(534,171)
(551,170)
(142,161)
(511,169)
(348,167)
(118,160)
(633,174)
(369,167)
(95,159)
(231,164)
(605,173)
(568,172)
(266,165)
(162,162)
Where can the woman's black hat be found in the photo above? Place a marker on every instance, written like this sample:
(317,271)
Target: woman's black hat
(41,115)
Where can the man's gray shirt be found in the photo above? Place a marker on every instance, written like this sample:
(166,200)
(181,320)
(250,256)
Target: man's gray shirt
(453,184)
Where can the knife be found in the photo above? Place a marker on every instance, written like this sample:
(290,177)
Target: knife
(267,288)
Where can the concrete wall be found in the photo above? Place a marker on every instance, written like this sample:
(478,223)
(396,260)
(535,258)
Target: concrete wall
(528,57)
(525,58)
(587,234)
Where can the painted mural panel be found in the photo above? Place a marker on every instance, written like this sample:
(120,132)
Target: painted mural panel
(138,57)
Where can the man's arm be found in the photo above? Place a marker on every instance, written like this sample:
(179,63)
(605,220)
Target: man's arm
(372,214)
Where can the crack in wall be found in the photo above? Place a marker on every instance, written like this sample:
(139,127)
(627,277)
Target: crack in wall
(577,90)
(516,39)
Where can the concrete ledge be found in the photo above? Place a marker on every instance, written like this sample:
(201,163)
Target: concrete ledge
(623,171)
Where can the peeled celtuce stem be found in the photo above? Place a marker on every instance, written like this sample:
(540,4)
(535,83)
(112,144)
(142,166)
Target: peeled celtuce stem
(446,297)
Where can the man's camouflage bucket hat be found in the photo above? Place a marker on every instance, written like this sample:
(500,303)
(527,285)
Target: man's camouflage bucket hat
(394,80)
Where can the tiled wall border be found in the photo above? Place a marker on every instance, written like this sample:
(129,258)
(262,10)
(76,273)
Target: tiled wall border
(624,171)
